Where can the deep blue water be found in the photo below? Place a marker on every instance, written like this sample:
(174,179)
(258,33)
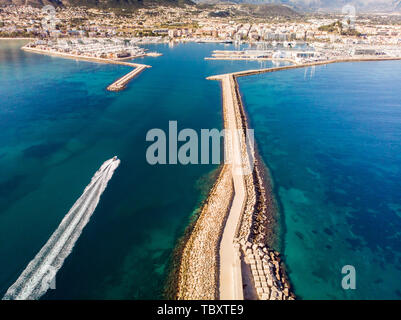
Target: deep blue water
(58,124)
(331,137)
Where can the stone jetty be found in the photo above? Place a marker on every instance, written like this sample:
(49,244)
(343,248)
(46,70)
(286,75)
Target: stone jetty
(118,85)
(121,83)
(256,266)
(230,233)
(228,254)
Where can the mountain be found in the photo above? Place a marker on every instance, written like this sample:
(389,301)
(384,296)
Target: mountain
(34,3)
(269,10)
(330,5)
(299,5)
(96,3)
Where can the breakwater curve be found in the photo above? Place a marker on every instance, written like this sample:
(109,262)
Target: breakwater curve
(38,276)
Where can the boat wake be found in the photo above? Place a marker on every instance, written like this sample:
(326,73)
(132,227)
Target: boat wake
(38,276)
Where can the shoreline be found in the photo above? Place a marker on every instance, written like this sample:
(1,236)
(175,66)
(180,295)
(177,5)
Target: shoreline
(117,85)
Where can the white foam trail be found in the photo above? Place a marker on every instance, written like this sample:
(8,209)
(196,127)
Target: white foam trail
(36,279)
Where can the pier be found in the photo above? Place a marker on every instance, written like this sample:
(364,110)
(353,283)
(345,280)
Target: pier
(118,85)
(121,83)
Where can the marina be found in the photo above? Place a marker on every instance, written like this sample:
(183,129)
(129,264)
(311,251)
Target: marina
(308,53)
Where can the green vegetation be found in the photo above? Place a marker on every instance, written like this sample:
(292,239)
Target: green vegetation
(338,28)
(17,34)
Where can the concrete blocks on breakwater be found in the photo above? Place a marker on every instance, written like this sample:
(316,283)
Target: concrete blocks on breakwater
(267,278)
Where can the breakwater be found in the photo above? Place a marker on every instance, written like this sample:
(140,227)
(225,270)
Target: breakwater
(199,266)
(254,266)
(227,250)
(246,259)
(118,85)
(40,273)
(229,58)
(121,83)
(304,65)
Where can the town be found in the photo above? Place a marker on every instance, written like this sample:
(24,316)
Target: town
(283,35)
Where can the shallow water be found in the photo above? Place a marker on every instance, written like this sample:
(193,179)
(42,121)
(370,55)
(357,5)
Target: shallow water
(330,136)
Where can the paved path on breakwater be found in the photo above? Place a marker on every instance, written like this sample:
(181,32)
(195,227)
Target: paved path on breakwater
(118,85)
(230,273)
(230,276)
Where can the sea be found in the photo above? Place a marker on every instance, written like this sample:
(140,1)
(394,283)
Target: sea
(58,124)
(329,137)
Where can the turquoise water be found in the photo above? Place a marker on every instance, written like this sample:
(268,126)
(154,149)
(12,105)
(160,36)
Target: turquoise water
(331,137)
(59,124)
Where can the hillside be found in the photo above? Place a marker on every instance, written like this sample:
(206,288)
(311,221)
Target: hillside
(254,10)
(270,10)
(96,3)
(328,5)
